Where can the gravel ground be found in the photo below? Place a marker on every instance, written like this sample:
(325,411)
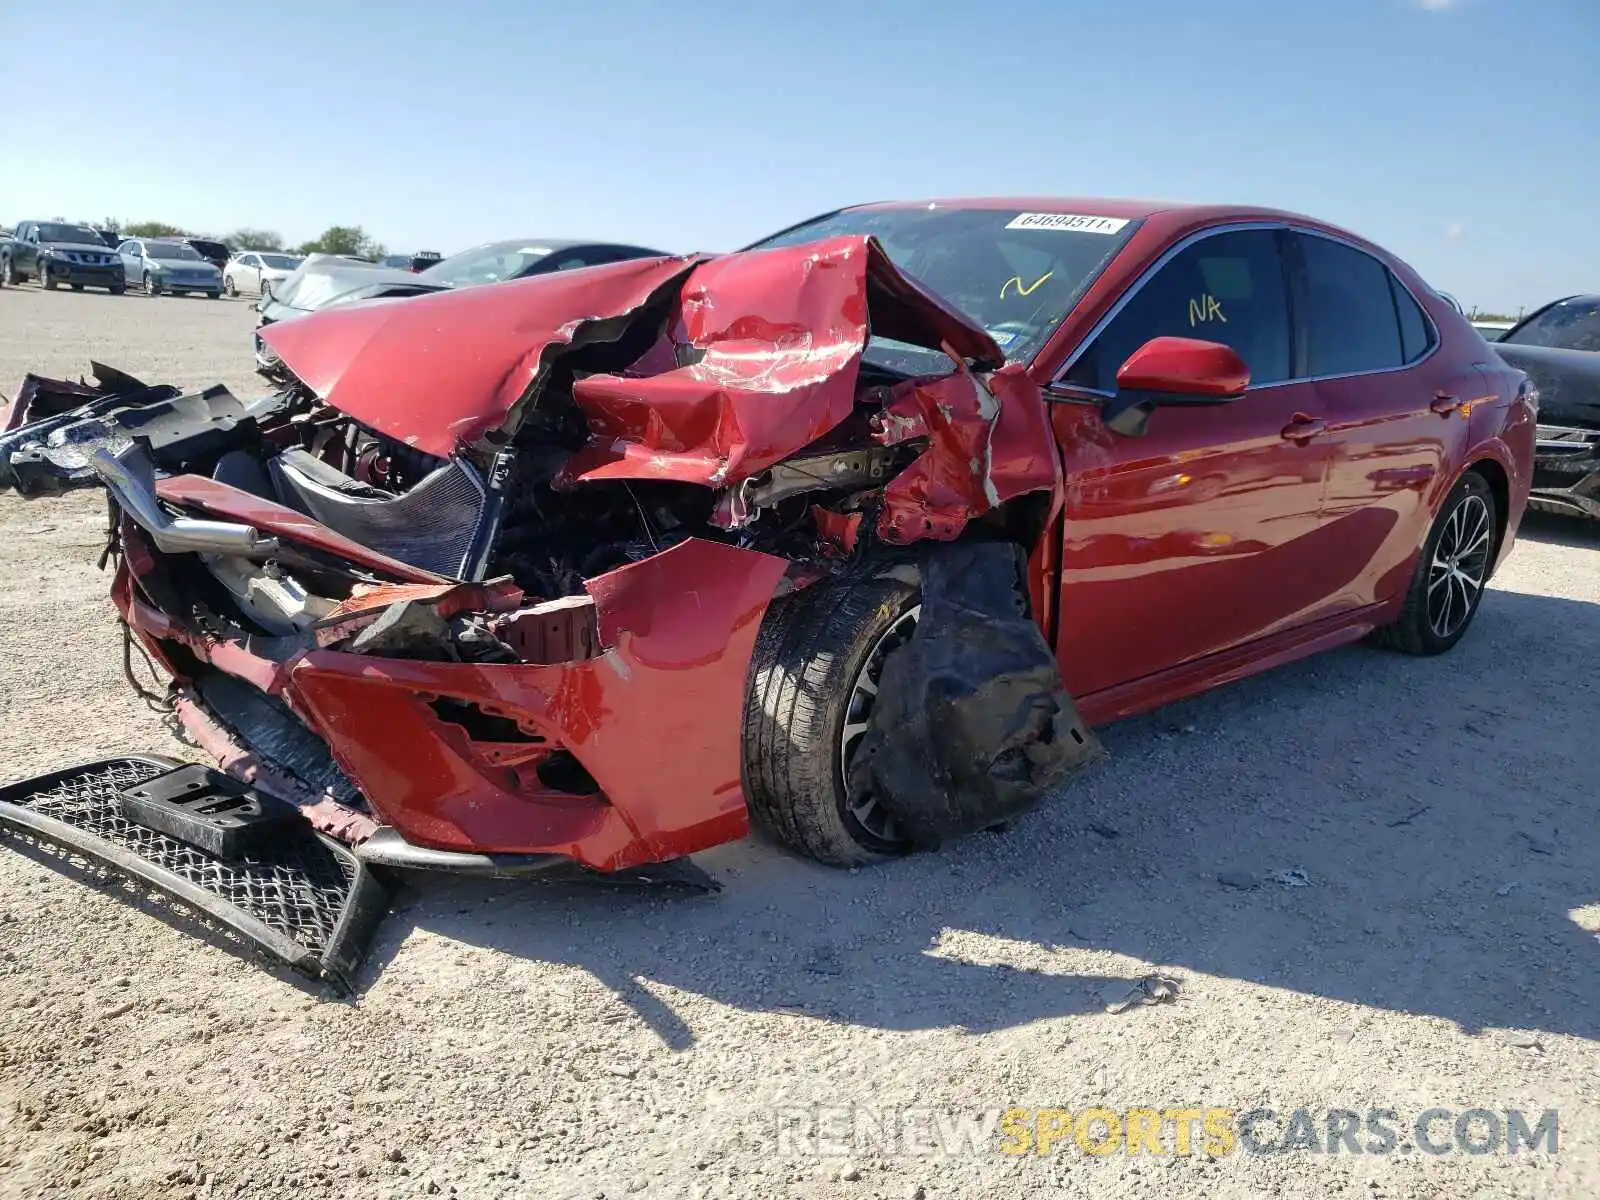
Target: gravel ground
(1439,949)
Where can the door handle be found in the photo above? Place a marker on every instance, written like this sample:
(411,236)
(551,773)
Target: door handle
(1444,403)
(1303,428)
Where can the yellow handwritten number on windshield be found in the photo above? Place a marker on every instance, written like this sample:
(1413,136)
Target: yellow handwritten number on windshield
(1023,289)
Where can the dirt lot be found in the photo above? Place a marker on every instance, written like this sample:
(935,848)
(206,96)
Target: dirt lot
(524,1040)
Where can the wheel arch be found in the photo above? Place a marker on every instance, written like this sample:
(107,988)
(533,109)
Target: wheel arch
(1494,474)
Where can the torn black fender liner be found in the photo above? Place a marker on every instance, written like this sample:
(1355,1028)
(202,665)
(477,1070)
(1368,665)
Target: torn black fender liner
(972,724)
(301,898)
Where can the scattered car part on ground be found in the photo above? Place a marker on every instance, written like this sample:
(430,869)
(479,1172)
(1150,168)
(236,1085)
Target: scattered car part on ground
(858,531)
(1559,348)
(258,272)
(56,252)
(319,284)
(158,265)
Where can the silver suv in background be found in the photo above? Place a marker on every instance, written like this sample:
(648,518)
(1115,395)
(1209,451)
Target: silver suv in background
(162,265)
(258,272)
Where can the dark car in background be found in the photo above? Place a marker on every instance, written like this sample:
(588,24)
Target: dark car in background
(321,283)
(111,237)
(57,252)
(214,253)
(1558,347)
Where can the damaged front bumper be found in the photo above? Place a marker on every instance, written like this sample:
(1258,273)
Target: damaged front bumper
(1566,471)
(614,743)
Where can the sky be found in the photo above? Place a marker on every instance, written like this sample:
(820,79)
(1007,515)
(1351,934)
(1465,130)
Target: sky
(1463,135)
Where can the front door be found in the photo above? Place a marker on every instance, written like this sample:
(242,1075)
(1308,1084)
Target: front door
(1202,533)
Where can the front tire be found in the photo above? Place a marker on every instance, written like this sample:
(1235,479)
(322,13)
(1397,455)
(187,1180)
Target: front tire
(151,287)
(813,679)
(266,291)
(46,280)
(229,286)
(118,289)
(213,295)
(1452,571)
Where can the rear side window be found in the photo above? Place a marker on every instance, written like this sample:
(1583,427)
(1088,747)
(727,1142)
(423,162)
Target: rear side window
(1415,335)
(1226,288)
(1351,323)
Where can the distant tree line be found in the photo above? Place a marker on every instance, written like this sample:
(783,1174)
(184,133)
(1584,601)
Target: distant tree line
(336,239)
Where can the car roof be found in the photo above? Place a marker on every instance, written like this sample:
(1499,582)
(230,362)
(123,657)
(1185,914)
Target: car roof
(1175,212)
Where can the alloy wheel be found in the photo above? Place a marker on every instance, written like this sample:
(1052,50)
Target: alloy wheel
(1460,566)
(871,815)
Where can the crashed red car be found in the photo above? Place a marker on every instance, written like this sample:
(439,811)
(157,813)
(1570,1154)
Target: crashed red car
(855,533)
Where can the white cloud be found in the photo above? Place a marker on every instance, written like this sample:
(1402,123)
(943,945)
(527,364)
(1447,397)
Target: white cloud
(1455,231)
(1438,5)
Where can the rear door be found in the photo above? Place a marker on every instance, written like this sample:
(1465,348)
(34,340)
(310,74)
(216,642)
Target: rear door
(1393,409)
(1202,533)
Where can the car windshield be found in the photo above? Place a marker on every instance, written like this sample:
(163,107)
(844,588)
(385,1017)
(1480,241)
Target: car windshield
(485,264)
(171,250)
(1566,325)
(1015,274)
(68,233)
(281,262)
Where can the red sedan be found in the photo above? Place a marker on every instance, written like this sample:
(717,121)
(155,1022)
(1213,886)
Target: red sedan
(858,531)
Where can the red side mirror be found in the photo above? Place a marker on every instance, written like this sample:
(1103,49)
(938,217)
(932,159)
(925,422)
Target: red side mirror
(1186,369)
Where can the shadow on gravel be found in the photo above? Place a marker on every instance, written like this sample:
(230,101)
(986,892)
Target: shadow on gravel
(1442,812)
(1574,532)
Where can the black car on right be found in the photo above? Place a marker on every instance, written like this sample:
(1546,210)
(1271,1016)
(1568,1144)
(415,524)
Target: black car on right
(1558,347)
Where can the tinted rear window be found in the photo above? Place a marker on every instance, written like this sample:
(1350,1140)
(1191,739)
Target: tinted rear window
(1415,334)
(1351,324)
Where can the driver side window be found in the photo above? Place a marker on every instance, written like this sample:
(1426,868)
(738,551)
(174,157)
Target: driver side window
(1228,288)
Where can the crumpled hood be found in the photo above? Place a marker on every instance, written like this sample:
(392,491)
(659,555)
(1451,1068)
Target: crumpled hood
(758,355)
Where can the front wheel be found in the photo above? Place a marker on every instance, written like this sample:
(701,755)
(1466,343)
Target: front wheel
(46,280)
(229,286)
(1452,571)
(118,289)
(151,287)
(266,290)
(8,273)
(813,684)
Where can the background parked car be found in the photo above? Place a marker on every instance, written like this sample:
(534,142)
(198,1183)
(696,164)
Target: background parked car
(56,252)
(420,261)
(163,265)
(328,280)
(214,253)
(1559,348)
(258,272)
(111,238)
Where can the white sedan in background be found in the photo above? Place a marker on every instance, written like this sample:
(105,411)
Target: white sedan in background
(257,272)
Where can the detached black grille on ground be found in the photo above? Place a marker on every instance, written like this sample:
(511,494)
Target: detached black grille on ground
(303,900)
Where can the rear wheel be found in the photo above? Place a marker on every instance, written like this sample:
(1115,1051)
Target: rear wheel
(1451,573)
(813,684)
